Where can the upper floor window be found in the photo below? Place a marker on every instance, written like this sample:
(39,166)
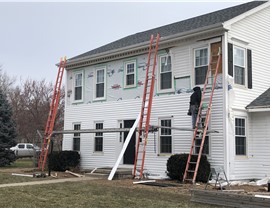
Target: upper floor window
(201,65)
(165,73)
(165,138)
(240,136)
(99,138)
(239,65)
(100,83)
(77,138)
(130,74)
(78,86)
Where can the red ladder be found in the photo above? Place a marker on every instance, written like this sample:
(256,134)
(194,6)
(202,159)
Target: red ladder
(51,116)
(146,109)
(192,165)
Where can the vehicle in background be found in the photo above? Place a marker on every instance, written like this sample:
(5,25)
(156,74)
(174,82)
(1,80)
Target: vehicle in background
(25,150)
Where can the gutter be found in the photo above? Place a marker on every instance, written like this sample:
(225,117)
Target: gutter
(142,47)
(259,109)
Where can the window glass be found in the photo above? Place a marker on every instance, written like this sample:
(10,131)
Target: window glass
(240,136)
(78,87)
(100,87)
(165,136)
(99,138)
(165,73)
(29,146)
(130,74)
(76,138)
(21,146)
(201,65)
(239,65)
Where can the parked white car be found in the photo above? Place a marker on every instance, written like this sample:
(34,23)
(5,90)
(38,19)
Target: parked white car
(25,150)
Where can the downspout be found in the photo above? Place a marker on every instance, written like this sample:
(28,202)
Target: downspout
(226,106)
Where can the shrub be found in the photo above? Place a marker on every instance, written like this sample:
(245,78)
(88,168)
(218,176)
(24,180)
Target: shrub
(64,160)
(176,166)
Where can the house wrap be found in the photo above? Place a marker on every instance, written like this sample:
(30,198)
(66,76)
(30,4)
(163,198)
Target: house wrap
(104,89)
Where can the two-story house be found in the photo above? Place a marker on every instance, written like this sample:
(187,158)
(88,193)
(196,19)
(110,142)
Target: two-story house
(104,88)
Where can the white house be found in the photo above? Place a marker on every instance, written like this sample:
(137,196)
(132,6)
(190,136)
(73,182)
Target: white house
(104,88)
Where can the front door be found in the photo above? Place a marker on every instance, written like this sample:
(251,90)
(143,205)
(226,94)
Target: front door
(129,155)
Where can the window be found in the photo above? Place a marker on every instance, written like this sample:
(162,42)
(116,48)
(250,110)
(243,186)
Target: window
(239,65)
(78,87)
(21,146)
(198,142)
(201,65)
(100,83)
(76,138)
(99,138)
(165,70)
(165,136)
(130,74)
(240,136)
(29,146)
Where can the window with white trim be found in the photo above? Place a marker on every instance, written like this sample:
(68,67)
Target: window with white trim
(99,138)
(165,136)
(240,136)
(130,74)
(239,65)
(165,73)
(100,83)
(201,65)
(78,86)
(76,138)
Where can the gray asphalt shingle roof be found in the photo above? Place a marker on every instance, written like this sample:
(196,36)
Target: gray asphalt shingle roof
(262,101)
(175,28)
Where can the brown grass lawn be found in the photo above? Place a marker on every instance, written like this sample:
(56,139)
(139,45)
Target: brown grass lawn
(95,193)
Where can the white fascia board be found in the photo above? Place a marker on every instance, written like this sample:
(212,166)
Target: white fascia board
(254,110)
(228,23)
(162,40)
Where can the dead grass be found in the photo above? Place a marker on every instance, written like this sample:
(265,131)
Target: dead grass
(95,193)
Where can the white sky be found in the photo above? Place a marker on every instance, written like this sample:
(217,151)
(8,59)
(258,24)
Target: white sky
(34,35)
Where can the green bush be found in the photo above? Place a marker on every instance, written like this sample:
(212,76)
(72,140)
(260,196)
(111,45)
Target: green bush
(64,160)
(176,166)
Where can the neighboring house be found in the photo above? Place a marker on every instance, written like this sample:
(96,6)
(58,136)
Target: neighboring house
(104,89)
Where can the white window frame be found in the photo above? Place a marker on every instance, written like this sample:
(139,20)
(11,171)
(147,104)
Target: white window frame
(76,136)
(160,135)
(126,73)
(95,83)
(74,85)
(160,72)
(244,65)
(245,136)
(99,136)
(202,65)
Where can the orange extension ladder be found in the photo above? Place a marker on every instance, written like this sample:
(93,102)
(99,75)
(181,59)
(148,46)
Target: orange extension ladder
(146,108)
(52,115)
(192,165)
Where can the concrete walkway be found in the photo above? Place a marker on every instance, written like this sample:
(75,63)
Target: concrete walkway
(31,183)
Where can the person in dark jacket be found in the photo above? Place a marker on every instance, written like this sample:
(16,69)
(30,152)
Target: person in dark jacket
(194,104)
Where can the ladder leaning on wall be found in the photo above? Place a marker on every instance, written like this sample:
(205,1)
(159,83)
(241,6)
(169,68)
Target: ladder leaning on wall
(146,107)
(201,126)
(52,115)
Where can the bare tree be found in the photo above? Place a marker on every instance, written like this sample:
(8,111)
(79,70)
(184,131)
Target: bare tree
(6,82)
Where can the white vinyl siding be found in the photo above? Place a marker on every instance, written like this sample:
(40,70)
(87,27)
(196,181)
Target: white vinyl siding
(130,74)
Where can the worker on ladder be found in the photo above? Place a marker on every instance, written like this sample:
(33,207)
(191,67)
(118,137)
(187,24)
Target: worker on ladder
(194,104)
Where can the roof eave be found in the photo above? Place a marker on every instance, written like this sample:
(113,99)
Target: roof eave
(163,41)
(258,109)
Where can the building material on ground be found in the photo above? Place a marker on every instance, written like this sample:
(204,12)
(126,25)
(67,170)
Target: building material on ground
(74,174)
(262,196)
(228,199)
(93,170)
(132,130)
(140,182)
(25,175)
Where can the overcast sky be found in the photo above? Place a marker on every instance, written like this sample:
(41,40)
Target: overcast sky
(34,35)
